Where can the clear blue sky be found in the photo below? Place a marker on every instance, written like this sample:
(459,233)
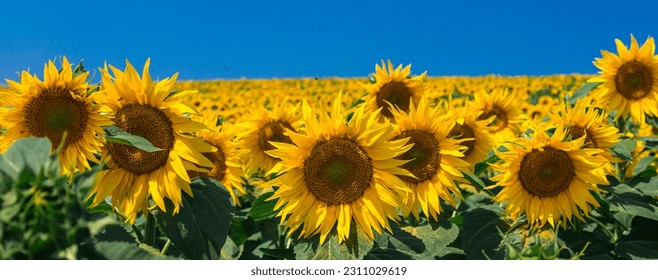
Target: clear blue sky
(233,39)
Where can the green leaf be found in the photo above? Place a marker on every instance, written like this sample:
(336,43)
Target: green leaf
(582,91)
(474,180)
(279,253)
(631,201)
(116,135)
(642,165)
(637,250)
(649,188)
(27,153)
(262,208)
(230,251)
(483,165)
(79,69)
(203,218)
(481,238)
(624,148)
(120,250)
(238,232)
(427,242)
(356,247)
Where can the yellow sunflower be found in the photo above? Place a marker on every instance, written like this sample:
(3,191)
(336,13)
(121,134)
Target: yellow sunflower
(476,131)
(393,87)
(583,120)
(265,126)
(51,107)
(227,168)
(339,172)
(147,109)
(548,179)
(630,80)
(504,109)
(434,159)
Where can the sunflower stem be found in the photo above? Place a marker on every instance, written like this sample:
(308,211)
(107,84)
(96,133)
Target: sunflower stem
(149,236)
(166,247)
(613,237)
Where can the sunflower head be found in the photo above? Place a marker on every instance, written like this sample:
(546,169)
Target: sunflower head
(264,127)
(151,110)
(433,160)
(393,88)
(52,108)
(339,173)
(548,179)
(474,133)
(227,168)
(502,109)
(630,80)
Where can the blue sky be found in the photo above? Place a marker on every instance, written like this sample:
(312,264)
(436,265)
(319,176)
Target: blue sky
(252,39)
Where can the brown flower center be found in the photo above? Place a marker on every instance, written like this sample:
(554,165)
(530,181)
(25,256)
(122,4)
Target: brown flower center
(424,155)
(499,122)
(337,171)
(546,173)
(55,111)
(397,94)
(273,131)
(577,132)
(153,125)
(634,80)
(218,171)
(463,131)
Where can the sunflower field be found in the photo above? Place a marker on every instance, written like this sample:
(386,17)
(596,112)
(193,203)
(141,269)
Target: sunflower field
(391,165)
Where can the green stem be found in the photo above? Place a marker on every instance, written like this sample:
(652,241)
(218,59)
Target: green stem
(613,237)
(150,230)
(166,247)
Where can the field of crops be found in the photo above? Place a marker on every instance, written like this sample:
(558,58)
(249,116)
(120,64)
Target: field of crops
(396,164)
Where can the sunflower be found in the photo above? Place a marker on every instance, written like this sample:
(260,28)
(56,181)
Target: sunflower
(148,109)
(393,87)
(476,132)
(583,120)
(265,126)
(548,179)
(434,159)
(630,80)
(227,168)
(504,109)
(50,108)
(338,172)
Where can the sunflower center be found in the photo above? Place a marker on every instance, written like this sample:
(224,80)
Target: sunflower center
(634,80)
(397,94)
(55,111)
(576,132)
(499,122)
(218,171)
(153,125)
(424,155)
(337,171)
(273,131)
(463,131)
(546,173)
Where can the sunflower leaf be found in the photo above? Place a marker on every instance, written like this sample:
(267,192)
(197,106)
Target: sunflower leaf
(632,201)
(117,135)
(121,250)
(637,250)
(624,148)
(477,183)
(428,242)
(582,91)
(203,218)
(483,165)
(481,238)
(25,156)
(263,208)
(356,247)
